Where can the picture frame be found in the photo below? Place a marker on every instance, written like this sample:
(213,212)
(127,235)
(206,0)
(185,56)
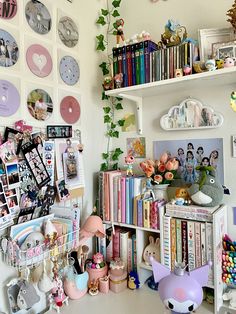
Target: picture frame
(222,50)
(59,131)
(11,134)
(207,37)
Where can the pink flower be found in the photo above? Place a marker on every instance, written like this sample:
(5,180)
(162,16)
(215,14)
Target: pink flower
(169,176)
(158,178)
(164,158)
(169,165)
(161,168)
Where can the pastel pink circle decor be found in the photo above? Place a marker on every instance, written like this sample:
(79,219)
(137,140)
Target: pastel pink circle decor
(39,60)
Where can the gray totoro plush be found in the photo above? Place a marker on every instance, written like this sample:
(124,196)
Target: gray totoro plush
(27,296)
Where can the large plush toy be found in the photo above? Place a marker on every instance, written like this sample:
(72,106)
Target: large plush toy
(208,191)
(180,291)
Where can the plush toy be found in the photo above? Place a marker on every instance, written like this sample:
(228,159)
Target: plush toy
(152,249)
(231,297)
(32,240)
(27,296)
(133,281)
(208,191)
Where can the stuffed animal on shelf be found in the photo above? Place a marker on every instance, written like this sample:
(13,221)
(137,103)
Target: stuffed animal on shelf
(133,280)
(208,191)
(230,296)
(152,250)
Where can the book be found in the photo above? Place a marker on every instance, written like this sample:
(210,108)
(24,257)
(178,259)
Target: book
(102,247)
(152,67)
(109,244)
(166,242)
(124,67)
(154,214)
(158,65)
(134,252)
(111,176)
(127,201)
(119,199)
(124,234)
(115,197)
(142,62)
(209,250)
(120,61)
(116,243)
(189,215)
(140,212)
(173,242)
(198,253)
(131,199)
(129,258)
(106,197)
(123,199)
(135,209)
(101,208)
(178,241)
(184,235)
(133,64)
(129,65)
(191,245)
(149,47)
(203,243)
(146,212)
(115,61)
(137,63)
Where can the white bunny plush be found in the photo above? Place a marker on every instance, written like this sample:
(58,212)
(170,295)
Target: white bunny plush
(152,249)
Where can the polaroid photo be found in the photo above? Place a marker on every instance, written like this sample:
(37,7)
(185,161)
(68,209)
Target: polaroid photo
(8,152)
(14,136)
(13,177)
(59,131)
(62,190)
(25,214)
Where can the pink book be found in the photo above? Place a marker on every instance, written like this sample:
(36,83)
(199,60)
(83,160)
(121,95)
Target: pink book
(106,198)
(116,243)
(123,200)
(119,200)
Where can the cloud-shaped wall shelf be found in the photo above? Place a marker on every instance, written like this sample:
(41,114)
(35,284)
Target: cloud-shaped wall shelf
(191,114)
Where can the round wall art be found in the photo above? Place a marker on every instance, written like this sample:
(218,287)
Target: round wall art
(69,70)
(8,9)
(9,99)
(9,52)
(70,109)
(68,32)
(40,104)
(39,60)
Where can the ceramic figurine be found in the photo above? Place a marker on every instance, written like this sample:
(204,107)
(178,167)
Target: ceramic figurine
(199,66)
(178,72)
(228,62)
(120,33)
(93,287)
(118,78)
(210,65)
(219,63)
(187,70)
(129,160)
(133,280)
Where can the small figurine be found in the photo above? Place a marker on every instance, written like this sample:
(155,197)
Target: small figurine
(108,83)
(178,72)
(93,287)
(199,66)
(233,101)
(229,62)
(118,78)
(133,281)
(129,160)
(120,33)
(210,65)
(219,63)
(187,70)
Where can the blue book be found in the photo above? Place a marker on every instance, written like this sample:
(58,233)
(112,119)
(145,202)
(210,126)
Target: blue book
(140,212)
(124,66)
(134,252)
(131,199)
(149,46)
(127,200)
(141,62)
(133,64)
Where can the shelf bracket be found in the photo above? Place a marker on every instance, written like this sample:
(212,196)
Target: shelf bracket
(139,109)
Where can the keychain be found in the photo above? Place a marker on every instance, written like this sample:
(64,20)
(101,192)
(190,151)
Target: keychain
(71,164)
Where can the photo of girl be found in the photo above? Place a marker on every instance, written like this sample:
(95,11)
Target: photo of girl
(199,154)
(205,161)
(214,158)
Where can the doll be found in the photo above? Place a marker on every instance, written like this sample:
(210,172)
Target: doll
(120,34)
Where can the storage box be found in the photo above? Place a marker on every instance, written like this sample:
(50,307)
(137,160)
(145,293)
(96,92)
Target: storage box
(96,273)
(118,283)
(117,267)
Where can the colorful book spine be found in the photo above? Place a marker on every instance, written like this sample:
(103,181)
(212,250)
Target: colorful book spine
(129,258)
(131,199)
(140,212)
(198,244)
(191,245)
(120,60)
(129,65)
(109,244)
(137,63)
(209,250)
(178,241)
(135,209)
(124,246)
(149,47)
(152,67)
(116,243)
(133,64)
(203,243)
(127,201)
(158,65)
(115,198)
(154,215)
(119,199)
(115,61)
(134,252)
(101,207)
(171,62)
(106,197)
(162,75)
(123,200)
(173,242)
(184,241)
(166,242)
(146,213)
(124,67)
(142,62)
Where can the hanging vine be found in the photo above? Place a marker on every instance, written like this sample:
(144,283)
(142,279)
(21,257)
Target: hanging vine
(107,20)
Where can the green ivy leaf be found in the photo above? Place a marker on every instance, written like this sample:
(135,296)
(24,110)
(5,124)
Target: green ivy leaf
(118,151)
(107,119)
(106,109)
(101,20)
(116,3)
(100,43)
(104,12)
(105,156)
(119,106)
(121,122)
(115,166)
(114,33)
(115,13)
(113,125)
(115,134)
(104,68)
(115,25)
(103,167)
(100,37)
(104,96)
(119,98)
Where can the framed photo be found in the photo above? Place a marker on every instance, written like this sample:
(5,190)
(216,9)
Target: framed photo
(25,214)
(207,37)
(15,136)
(224,49)
(59,131)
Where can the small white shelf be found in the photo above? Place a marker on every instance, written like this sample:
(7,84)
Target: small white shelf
(131,226)
(136,93)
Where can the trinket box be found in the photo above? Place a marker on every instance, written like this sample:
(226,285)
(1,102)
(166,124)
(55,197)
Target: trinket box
(117,267)
(118,283)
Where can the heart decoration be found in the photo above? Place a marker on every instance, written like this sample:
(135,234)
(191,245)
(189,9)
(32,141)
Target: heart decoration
(39,60)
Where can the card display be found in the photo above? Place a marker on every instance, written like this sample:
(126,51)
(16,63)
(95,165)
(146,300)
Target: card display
(40,104)
(59,131)
(9,52)
(35,164)
(26,178)
(49,151)
(68,31)
(70,109)
(69,70)
(9,99)
(39,60)
(8,9)
(38,17)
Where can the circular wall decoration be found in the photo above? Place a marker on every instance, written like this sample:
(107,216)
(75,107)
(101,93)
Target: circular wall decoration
(40,104)
(70,109)
(8,9)
(68,32)
(39,60)
(9,52)
(69,70)
(9,99)
(38,17)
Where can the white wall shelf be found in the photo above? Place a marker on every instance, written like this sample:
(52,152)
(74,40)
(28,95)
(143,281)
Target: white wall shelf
(136,93)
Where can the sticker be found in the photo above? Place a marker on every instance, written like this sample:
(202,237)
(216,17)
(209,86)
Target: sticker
(8,9)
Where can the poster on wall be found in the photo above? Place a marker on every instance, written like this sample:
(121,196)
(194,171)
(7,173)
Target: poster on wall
(191,153)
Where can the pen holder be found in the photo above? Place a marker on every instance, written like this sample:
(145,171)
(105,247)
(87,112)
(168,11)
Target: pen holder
(104,284)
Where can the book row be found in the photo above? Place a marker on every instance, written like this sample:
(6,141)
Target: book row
(120,244)
(190,242)
(144,62)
